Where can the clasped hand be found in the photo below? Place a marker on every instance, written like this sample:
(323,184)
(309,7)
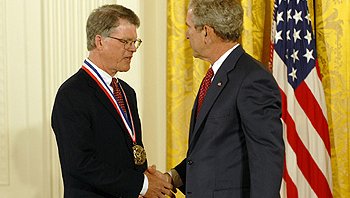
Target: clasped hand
(159,184)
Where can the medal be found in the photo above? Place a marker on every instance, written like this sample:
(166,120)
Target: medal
(139,154)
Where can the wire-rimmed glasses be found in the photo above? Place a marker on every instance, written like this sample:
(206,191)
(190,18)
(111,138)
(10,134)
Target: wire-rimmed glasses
(128,43)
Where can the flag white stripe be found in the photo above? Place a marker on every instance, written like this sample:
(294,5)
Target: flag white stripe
(315,85)
(283,190)
(311,140)
(303,187)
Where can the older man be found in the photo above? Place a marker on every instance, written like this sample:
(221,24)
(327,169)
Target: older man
(95,116)
(235,146)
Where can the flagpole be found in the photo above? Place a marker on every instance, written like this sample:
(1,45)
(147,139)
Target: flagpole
(314,7)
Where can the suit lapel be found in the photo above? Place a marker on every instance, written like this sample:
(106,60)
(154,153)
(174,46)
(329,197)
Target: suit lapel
(108,105)
(104,100)
(213,92)
(218,84)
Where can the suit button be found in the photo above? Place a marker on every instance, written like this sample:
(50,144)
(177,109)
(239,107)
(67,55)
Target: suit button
(190,162)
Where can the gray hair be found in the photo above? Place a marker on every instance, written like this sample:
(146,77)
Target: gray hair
(224,16)
(104,18)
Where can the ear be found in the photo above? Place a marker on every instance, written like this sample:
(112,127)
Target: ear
(208,33)
(98,41)
(205,31)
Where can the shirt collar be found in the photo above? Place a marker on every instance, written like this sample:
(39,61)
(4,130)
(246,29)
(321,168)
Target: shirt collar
(105,76)
(219,62)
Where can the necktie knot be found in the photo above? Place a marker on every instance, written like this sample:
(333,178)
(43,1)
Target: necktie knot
(209,75)
(114,83)
(204,88)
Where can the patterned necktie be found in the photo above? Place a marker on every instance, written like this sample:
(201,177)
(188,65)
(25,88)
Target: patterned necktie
(204,88)
(118,94)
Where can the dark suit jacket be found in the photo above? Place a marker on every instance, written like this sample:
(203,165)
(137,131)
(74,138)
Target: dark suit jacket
(235,144)
(94,146)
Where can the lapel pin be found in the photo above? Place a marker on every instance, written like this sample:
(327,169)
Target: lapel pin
(219,84)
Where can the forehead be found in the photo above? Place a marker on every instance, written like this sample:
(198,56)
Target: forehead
(123,24)
(125,27)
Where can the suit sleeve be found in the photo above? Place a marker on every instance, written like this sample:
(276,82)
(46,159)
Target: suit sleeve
(259,105)
(71,121)
(181,170)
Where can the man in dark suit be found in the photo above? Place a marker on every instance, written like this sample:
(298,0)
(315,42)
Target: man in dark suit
(235,140)
(95,116)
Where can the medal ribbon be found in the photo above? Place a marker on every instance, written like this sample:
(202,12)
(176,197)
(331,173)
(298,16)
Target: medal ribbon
(93,73)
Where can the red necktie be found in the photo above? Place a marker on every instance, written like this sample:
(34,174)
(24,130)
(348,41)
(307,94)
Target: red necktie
(118,94)
(204,88)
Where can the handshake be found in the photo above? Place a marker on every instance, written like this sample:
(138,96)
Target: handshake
(159,184)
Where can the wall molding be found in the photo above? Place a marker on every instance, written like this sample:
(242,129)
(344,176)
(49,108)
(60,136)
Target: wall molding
(4,136)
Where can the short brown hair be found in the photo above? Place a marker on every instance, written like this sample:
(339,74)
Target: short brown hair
(106,17)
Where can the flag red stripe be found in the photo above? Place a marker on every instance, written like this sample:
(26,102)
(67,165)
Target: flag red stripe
(271,56)
(292,191)
(305,162)
(314,112)
(318,69)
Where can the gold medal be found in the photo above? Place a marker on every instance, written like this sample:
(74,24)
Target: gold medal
(139,154)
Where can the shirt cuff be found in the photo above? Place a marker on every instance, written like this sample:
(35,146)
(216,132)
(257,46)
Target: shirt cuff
(145,186)
(177,181)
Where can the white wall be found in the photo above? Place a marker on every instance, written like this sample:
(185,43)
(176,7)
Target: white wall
(42,42)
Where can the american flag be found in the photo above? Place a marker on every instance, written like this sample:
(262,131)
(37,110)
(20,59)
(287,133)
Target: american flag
(307,168)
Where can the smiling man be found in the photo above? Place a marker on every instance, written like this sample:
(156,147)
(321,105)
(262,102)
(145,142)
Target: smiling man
(95,116)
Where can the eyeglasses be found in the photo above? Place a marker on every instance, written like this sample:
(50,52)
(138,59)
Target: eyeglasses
(128,43)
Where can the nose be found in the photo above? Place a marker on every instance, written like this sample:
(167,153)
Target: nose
(132,47)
